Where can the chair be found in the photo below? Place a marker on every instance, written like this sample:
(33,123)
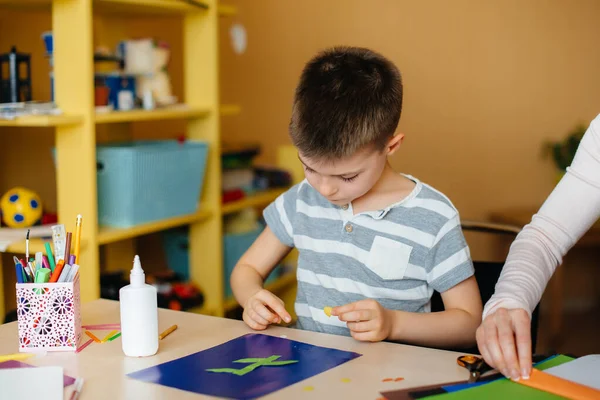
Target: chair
(487,274)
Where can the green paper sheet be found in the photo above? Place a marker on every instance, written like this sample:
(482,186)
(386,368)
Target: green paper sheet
(505,389)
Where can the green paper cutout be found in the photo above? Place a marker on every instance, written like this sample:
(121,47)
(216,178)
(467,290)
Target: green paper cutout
(254,363)
(506,389)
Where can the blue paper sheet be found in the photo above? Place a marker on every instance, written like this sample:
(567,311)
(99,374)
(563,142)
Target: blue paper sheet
(191,373)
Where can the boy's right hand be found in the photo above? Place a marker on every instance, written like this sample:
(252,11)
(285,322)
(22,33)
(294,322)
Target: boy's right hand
(264,309)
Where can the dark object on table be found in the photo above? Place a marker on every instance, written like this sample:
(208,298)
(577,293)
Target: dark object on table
(15,88)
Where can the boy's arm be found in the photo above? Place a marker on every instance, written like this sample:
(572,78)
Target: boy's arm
(454,327)
(255,265)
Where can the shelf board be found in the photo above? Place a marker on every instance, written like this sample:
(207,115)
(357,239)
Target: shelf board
(122,6)
(254,200)
(150,6)
(35,245)
(229,109)
(227,10)
(175,112)
(282,282)
(42,120)
(111,234)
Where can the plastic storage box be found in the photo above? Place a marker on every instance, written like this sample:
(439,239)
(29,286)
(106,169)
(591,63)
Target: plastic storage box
(145,181)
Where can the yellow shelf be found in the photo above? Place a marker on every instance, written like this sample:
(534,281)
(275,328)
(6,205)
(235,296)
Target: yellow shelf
(109,234)
(229,109)
(255,200)
(175,112)
(227,11)
(35,245)
(120,6)
(281,283)
(42,120)
(150,6)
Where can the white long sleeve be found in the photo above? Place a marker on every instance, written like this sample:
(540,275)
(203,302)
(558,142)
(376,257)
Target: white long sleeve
(570,210)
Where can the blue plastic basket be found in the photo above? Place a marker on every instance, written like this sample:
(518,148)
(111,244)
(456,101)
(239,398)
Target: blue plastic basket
(176,245)
(144,181)
(234,247)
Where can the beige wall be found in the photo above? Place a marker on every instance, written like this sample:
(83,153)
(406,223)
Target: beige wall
(486,83)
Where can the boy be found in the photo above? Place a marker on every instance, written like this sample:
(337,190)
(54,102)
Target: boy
(372,242)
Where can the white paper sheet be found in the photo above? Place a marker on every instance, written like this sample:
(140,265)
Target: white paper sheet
(584,370)
(32,383)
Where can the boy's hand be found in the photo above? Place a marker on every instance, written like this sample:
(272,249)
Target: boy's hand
(263,309)
(367,320)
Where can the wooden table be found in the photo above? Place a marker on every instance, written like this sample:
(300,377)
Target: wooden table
(103,366)
(521,217)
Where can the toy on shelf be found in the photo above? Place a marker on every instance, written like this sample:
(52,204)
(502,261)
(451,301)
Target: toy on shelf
(241,178)
(21,208)
(148,60)
(14,87)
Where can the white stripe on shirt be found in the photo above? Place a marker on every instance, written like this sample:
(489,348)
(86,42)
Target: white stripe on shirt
(449,264)
(331,247)
(346,285)
(396,229)
(436,206)
(448,226)
(304,310)
(317,211)
(284,217)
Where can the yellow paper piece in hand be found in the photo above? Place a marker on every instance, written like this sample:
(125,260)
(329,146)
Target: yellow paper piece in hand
(327,311)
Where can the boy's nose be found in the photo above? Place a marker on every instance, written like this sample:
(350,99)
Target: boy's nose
(327,190)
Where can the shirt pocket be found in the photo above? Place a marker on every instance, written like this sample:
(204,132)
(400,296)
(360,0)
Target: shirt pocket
(389,258)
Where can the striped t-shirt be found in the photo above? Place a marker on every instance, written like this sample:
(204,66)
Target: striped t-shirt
(398,255)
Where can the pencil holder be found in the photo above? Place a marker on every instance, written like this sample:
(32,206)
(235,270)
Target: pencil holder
(49,316)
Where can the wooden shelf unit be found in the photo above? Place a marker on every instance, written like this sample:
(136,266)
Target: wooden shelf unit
(76,139)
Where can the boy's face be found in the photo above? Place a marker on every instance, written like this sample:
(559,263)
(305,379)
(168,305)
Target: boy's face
(343,181)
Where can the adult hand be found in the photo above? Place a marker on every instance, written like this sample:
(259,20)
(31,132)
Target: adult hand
(504,340)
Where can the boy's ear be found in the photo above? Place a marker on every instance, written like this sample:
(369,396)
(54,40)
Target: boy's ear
(394,143)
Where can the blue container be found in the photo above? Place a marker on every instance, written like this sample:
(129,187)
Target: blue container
(176,245)
(234,247)
(121,93)
(48,42)
(144,181)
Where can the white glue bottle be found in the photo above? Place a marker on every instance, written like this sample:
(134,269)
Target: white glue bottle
(139,314)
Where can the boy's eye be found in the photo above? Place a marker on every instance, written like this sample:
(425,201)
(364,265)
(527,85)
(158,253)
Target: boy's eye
(310,171)
(349,179)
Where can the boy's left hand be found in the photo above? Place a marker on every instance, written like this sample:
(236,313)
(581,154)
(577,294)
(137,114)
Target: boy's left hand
(367,320)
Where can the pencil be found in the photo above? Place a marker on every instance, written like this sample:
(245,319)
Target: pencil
(114,337)
(17,356)
(83,346)
(93,337)
(57,271)
(27,246)
(167,332)
(109,336)
(78,223)
(68,247)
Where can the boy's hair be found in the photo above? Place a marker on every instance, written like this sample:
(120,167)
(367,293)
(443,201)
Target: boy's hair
(348,98)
